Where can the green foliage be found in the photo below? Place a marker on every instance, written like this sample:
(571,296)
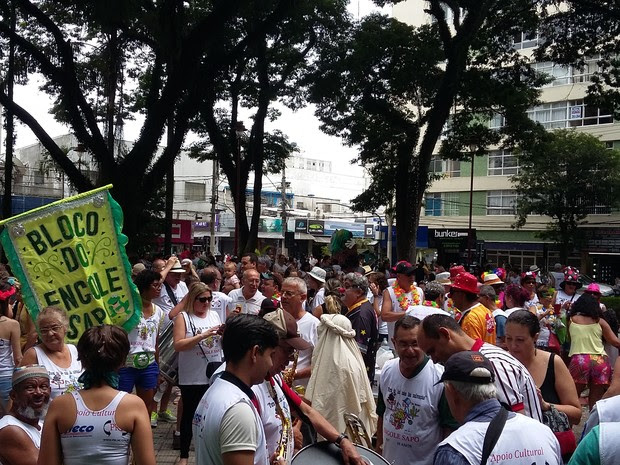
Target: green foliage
(565,177)
(389,89)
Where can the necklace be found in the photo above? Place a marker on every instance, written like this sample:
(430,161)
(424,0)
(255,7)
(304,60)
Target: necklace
(403,301)
(430,303)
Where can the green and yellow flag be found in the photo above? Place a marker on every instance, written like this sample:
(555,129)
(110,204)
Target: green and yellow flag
(71,254)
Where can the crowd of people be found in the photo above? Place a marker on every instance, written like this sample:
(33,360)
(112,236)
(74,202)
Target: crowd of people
(433,366)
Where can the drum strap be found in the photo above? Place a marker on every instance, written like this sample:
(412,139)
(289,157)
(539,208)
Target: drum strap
(171,293)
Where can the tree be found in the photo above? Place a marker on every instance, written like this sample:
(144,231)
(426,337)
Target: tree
(570,175)
(271,71)
(573,31)
(391,88)
(103,61)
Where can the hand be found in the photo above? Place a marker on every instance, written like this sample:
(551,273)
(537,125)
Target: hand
(545,406)
(374,289)
(350,455)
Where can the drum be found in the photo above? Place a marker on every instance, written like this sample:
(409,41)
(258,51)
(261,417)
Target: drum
(168,357)
(328,453)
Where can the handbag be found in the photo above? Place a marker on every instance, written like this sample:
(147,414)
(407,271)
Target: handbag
(554,344)
(558,423)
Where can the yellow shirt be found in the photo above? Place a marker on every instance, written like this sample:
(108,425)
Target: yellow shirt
(478,323)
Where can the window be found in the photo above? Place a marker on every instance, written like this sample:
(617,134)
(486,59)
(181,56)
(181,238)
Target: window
(39,176)
(442,204)
(301,206)
(501,202)
(451,168)
(526,40)
(327,207)
(569,114)
(502,163)
(195,191)
(498,121)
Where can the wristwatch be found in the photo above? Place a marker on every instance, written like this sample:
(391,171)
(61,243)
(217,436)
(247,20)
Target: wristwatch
(339,439)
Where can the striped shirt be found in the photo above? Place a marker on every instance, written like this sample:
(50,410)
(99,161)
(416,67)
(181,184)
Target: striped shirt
(515,386)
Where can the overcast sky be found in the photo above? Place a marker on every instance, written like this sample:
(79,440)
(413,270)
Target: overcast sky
(302,126)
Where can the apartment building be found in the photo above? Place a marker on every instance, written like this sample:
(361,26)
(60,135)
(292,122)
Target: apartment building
(493,197)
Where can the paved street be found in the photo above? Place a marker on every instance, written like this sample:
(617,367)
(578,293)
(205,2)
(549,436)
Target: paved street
(162,437)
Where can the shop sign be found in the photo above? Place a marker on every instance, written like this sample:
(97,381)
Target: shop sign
(316,227)
(301,225)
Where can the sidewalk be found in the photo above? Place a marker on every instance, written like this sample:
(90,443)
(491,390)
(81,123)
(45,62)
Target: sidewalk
(162,439)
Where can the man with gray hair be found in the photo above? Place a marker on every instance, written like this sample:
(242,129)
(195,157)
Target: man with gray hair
(433,304)
(489,432)
(293,296)
(363,319)
(20,429)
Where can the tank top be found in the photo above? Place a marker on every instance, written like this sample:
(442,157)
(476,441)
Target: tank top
(547,388)
(192,362)
(586,339)
(61,379)
(33,433)
(6,358)
(95,438)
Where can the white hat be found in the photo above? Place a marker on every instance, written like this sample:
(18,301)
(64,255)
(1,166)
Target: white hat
(186,261)
(177,268)
(491,279)
(318,273)
(443,278)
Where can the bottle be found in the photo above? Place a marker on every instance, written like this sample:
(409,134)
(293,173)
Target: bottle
(160,391)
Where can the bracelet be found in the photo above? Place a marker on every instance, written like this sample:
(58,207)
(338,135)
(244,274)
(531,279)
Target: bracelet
(339,439)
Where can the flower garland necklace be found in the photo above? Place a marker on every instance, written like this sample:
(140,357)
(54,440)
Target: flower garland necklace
(401,296)
(430,303)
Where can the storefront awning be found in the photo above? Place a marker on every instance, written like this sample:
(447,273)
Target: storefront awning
(322,240)
(270,235)
(302,236)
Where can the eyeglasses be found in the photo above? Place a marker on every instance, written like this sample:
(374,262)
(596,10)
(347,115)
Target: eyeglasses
(404,345)
(54,329)
(288,293)
(204,299)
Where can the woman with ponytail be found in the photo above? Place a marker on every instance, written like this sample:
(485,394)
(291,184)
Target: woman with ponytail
(98,424)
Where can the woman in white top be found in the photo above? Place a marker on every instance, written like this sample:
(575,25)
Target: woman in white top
(141,369)
(10,353)
(60,359)
(98,424)
(197,340)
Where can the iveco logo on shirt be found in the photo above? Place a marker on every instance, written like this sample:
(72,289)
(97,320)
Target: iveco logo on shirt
(82,429)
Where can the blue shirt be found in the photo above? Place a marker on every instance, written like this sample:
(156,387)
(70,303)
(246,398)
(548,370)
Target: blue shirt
(484,412)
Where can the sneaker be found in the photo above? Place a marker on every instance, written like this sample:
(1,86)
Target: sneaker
(154,418)
(176,440)
(167,416)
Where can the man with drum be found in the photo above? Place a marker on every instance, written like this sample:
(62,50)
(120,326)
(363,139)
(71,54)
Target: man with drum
(276,398)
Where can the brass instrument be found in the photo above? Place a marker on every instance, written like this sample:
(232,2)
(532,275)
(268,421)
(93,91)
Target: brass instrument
(288,375)
(356,430)
(285,448)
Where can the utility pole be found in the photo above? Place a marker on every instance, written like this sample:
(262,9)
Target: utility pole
(169,206)
(283,192)
(214,183)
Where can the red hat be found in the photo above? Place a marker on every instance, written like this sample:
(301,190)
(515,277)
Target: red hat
(455,271)
(465,282)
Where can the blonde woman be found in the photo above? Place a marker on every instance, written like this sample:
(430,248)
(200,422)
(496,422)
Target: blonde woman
(60,359)
(197,341)
(334,291)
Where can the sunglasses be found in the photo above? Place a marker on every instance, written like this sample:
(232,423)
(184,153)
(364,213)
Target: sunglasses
(204,299)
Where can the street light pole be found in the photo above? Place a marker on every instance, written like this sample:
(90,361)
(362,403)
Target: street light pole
(214,181)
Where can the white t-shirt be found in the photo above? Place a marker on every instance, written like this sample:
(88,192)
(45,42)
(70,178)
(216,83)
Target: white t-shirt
(192,363)
(251,305)
(422,311)
(523,441)
(383,326)
(270,416)
(319,298)
(307,326)
(219,303)
(61,379)
(411,424)
(143,338)
(165,302)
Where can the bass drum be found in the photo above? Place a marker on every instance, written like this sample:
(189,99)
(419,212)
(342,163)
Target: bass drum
(168,358)
(328,453)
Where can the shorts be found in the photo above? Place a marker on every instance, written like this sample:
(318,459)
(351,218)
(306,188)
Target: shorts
(590,369)
(145,378)
(5,390)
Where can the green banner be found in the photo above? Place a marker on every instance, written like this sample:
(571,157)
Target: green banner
(71,254)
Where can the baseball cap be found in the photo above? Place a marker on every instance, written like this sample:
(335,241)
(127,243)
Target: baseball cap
(286,327)
(468,367)
(404,267)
